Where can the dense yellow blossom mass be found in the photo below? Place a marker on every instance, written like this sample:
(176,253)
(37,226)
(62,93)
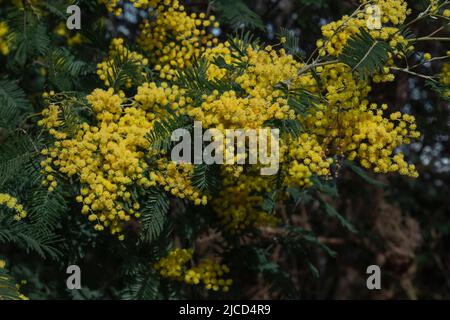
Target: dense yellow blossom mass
(173,37)
(393,13)
(208,273)
(112,158)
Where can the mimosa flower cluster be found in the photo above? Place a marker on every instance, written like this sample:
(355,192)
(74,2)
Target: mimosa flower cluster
(306,160)
(393,13)
(12,203)
(210,274)
(4,47)
(172,36)
(175,178)
(112,6)
(239,205)
(110,159)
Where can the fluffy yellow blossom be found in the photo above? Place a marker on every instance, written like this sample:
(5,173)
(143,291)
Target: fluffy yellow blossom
(112,6)
(158,99)
(51,117)
(393,13)
(434,6)
(228,111)
(172,37)
(208,273)
(175,178)
(306,158)
(111,158)
(107,158)
(239,203)
(259,102)
(105,103)
(173,265)
(266,69)
(364,134)
(4,48)
(12,203)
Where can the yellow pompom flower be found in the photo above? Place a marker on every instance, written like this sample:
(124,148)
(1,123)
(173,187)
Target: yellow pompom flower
(12,203)
(172,37)
(208,272)
(4,47)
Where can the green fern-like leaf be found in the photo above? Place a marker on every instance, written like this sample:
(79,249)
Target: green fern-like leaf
(31,240)
(28,35)
(64,70)
(153,215)
(364,54)
(443,91)
(206,178)
(16,150)
(364,175)
(160,136)
(332,212)
(292,44)
(8,289)
(13,104)
(145,285)
(237,14)
(124,70)
(46,209)
(195,79)
(57,8)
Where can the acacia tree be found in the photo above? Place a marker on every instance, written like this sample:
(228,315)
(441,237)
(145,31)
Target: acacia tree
(86,123)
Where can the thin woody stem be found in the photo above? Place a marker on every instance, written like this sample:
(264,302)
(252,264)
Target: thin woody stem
(414,73)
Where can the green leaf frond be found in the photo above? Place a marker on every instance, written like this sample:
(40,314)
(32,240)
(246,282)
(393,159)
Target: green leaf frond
(160,136)
(13,104)
(237,14)
(365,55)
(153,214)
